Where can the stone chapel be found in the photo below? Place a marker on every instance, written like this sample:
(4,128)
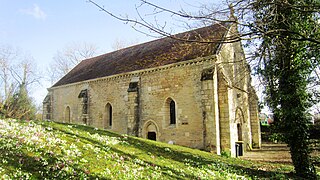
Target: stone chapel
(194,92)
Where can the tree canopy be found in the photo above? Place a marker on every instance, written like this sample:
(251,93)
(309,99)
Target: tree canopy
(289,53)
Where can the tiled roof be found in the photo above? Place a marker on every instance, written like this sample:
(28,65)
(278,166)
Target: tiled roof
(148,55)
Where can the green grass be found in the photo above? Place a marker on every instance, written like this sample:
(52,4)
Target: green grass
(39,150)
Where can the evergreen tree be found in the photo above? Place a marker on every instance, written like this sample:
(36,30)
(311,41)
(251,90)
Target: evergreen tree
(290,51)
(20,105)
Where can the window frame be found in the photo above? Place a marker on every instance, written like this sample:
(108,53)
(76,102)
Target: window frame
(172,112)
(108,116)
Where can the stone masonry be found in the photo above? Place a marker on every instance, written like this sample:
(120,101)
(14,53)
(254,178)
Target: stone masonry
(205,102)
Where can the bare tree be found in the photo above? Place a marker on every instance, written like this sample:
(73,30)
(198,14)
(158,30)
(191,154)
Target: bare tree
(148,15)
(7,55)
(26,72)
(67,58)
(18,75)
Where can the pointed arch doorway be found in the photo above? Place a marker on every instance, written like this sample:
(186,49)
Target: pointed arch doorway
(151,131)
(239,121)
(152,135)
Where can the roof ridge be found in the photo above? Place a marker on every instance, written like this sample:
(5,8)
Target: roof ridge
(158,52)
(159,39)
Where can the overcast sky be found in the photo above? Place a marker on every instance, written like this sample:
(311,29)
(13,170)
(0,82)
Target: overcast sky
(42,27)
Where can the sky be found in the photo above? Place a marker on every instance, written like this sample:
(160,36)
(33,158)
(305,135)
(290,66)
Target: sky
(42,27)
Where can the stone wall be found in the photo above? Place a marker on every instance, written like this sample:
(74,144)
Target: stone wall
(235,113)
(213,104)
(134,110)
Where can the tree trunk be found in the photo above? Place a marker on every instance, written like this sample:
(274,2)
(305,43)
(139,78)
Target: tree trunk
(294,102)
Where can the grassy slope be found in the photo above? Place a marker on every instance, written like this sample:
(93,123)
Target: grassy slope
(46,149)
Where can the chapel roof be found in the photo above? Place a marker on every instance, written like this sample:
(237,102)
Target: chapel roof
(151,54)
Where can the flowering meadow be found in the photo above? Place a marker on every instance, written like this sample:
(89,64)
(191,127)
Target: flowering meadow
(49,150)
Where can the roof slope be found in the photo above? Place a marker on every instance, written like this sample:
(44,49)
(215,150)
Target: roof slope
(148,55)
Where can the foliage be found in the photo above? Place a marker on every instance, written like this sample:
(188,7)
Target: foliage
(288,53)
(226,154)
(48,150)
(276,137)
(19,105)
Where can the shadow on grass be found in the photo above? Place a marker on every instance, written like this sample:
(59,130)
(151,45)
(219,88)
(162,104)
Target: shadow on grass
(217,164)
(177,155)
(164,169)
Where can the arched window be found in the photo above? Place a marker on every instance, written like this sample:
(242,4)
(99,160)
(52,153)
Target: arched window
(67,115)
(172,105)
(108,116)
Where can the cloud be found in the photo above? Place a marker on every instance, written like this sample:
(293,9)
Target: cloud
(36,12)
